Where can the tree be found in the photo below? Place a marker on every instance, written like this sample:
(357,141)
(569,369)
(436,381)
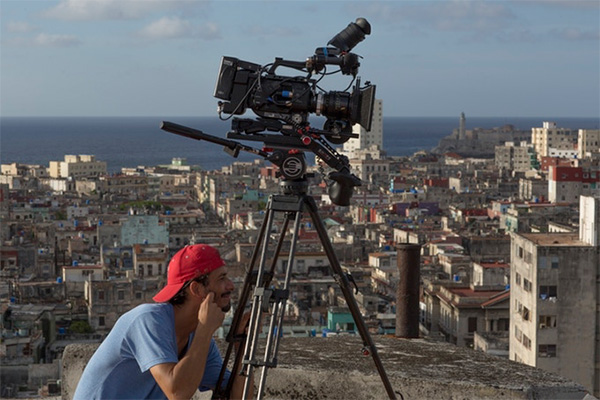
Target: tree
(80,326)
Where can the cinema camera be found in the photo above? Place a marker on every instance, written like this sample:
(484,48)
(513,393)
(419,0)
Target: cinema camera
(284,103)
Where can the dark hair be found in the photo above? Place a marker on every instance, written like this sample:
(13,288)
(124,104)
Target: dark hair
(180,296)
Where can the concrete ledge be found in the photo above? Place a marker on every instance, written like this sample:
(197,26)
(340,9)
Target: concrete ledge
(334,368)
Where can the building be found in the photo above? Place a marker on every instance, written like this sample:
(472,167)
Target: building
(143,229)
(80,166)
(566,184)
(549,136)
(371,168)
(462,313)
(150,260)
(588,141)
(520,158)
(554,300)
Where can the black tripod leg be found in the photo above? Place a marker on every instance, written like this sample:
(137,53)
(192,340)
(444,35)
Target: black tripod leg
(345,287)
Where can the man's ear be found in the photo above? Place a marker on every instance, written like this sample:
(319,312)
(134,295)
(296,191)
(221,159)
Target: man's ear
(198,290)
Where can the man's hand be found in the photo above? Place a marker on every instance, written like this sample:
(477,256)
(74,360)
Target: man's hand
(210,315)
(242,328)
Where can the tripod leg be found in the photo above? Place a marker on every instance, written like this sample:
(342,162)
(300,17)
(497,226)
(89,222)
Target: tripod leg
(276,324)
(257,305)
(237,317)
(346,290)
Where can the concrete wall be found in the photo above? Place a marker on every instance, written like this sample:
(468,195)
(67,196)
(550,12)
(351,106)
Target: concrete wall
(334,368)
(39,374)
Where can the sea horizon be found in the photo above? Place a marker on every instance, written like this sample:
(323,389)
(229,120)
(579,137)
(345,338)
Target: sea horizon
(131,141)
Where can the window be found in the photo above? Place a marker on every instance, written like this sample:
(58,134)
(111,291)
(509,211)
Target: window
(547,292)
(547,350)
(100,294)
(547,321)
(525,314)
(554,263)
(527,285)
(101,321)
(518,334)
(138,295)
(472,324)
(149,269)
(526,342)
(121,295)
(518,278)
(520,252)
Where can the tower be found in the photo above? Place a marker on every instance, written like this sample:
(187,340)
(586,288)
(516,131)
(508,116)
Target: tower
(461,127)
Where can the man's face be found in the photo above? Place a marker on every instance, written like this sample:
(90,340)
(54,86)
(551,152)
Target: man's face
(220,284)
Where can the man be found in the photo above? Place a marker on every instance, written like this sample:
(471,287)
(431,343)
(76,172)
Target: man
(165,349)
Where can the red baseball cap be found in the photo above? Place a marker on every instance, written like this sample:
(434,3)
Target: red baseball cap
(188,263)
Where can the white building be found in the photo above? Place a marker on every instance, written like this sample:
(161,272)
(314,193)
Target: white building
(79,166)
(549,136)
(588,141)
(82,273)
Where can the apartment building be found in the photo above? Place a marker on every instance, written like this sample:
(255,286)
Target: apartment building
(77,166)
(150,260)
(554,299)
(511,157)
(566,184)
(549,136)
(588,141)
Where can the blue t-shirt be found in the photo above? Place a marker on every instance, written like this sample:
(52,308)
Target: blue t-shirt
(141,338)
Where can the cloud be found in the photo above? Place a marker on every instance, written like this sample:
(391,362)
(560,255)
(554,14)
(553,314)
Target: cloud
(572,4)
(88,10)
(20,27)
(575,34)
(456,15)
(261,30)
(175,28)
(48,40)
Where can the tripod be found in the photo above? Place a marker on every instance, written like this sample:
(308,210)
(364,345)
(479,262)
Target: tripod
(292,203)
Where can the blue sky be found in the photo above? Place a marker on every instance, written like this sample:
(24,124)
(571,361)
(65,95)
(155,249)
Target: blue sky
(427,58)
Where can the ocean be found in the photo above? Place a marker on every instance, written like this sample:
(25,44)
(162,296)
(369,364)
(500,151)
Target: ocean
(135,141)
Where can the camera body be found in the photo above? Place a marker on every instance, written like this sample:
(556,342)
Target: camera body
(284,103)
(246,85)
(291,99)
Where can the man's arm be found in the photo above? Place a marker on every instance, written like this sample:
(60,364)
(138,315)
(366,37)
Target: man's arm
(181,380)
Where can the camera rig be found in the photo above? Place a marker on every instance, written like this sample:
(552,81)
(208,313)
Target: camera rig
(284,103)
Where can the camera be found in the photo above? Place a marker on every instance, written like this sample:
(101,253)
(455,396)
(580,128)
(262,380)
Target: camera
(284,103)
(290,99)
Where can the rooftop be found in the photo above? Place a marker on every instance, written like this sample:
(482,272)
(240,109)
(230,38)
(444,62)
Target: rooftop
(334,368)
(567,239)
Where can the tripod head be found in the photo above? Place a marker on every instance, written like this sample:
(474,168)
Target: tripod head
(286,153)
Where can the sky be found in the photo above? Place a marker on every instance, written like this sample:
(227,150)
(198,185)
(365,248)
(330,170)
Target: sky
(427,58)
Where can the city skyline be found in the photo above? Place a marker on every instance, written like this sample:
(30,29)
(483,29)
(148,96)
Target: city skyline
(433,58)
